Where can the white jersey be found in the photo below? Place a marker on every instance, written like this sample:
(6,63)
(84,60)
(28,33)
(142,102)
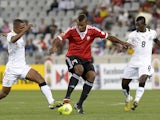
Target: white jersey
(16,52)
(143,44)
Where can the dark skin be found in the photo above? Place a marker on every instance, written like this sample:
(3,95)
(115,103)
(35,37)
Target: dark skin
(90,75)
(20,29)
(141,27)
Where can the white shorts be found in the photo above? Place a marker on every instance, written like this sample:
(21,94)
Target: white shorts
(137,72)
(12,75)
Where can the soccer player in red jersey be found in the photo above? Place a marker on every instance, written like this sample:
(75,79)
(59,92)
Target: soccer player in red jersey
(79,58)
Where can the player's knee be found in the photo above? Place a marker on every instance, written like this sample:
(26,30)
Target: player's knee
(79,72)
(78,69)
(4,93)
(142,80)
(91,79)
(124,84)
(141,84)
(90,76)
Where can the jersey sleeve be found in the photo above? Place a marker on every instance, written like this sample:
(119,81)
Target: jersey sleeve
(131,38)
(65,35)
(9,36)
(155,35)
(98,33)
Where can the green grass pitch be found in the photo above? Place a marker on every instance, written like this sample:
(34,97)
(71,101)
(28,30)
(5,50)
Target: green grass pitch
(100,105)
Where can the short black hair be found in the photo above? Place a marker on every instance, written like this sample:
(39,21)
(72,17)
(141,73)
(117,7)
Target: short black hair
(17,21)
(141,18)
(82,17)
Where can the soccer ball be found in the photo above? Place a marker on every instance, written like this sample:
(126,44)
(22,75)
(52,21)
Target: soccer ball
(66,109)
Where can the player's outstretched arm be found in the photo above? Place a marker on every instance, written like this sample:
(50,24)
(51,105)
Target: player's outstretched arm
(123,43)
(157,41)
(3,34)
(19,35)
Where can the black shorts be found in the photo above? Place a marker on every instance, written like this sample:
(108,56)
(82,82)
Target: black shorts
(71,61)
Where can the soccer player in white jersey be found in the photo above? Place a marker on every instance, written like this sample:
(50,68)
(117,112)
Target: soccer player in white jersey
(16,67)
(139,66)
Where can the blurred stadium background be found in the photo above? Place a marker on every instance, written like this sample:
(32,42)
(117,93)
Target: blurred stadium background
(51,17)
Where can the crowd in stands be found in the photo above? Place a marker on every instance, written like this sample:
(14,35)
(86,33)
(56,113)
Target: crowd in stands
(114,16)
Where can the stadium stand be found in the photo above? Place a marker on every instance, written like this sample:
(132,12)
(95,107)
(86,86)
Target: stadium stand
(113,22)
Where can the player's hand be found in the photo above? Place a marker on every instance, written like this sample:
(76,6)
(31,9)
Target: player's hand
(52,50)
(28,27)
(127,45)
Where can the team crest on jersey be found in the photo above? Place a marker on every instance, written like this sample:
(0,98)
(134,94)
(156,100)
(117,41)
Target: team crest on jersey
(88,38)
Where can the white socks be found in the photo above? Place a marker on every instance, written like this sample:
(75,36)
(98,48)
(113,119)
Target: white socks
(125,93)
(47,93)
(128,97)
(139,93)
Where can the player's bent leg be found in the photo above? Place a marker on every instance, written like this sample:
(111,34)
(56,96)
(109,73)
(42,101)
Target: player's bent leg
(125,87)
(4,92)
(139,91)
(138,96)
(47,93)
(72,84)
(126,92)
(76,73)
(33,75)
(85,92)
(90,76)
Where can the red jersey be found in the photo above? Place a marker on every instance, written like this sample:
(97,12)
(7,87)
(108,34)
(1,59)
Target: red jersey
(80,42)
